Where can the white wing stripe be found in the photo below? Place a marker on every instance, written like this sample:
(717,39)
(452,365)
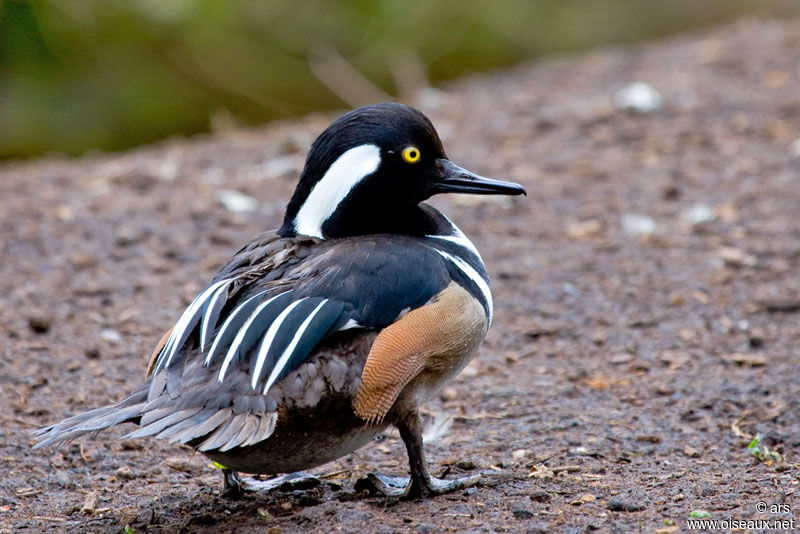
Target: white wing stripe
(240,336)
(269,337)
(290,348)
(473,275)
(219,297)
(180,333)
(227,324)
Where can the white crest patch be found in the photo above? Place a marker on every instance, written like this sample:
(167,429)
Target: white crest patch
(344,174)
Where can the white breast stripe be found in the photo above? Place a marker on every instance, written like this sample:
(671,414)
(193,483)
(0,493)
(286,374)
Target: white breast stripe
(289,349)
(461,241)
(458,238)
(240,336)
(473,275)
(269,337)
(347,171)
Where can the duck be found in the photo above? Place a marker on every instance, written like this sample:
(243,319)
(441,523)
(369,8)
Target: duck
(316,337)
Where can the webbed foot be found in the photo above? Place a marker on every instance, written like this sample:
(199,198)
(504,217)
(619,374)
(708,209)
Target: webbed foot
(410,488)
(235,486)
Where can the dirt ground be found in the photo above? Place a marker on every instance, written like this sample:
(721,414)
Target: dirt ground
(647,296)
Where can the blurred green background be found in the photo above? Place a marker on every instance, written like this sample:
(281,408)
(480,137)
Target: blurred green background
(77,75)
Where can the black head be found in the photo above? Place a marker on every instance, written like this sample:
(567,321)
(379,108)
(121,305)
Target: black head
(369,170)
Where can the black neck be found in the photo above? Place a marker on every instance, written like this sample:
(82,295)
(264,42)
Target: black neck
(404,219)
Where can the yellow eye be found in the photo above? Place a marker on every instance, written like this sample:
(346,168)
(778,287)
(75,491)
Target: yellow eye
(411,154)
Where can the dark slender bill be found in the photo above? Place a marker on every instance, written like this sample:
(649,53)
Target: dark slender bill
(459,180)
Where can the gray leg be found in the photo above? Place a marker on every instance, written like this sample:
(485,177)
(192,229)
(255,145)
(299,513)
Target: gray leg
(234,486)
(421,483)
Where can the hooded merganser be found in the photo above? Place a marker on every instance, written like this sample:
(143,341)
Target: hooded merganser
(314,338)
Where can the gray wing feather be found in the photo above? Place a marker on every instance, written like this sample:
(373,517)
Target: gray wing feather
(208,426)
(151,414)
(186,430)
(266,426)
(161,424)
(223,434)
(248,429)
(245,426)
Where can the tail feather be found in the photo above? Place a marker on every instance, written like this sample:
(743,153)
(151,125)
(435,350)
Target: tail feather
(209,416)
(128,409)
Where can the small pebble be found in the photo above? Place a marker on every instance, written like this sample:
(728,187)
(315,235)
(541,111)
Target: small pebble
(735,257)
(40,323)
(237,202)
(585,229)
(125,236)
(617,505)
(125,473)
(698,215)
(83,261)
(519,454)
(523,514)
(638,224)
(90,503)
(540,496)
(63,479)
(794,148)
(691,452)
(746,360)
(277,168)
(109,334)
(638,97)
(756,340)
(620,358)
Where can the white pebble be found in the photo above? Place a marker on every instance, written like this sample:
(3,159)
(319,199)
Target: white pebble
(519,454)
(237,202)
(111,335)
(638,97)
(794,148)
(698,214)
(638,224)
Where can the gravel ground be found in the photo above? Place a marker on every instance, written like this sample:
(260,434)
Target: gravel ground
(647,302)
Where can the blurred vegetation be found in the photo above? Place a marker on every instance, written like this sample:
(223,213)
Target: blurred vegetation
(109,74)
